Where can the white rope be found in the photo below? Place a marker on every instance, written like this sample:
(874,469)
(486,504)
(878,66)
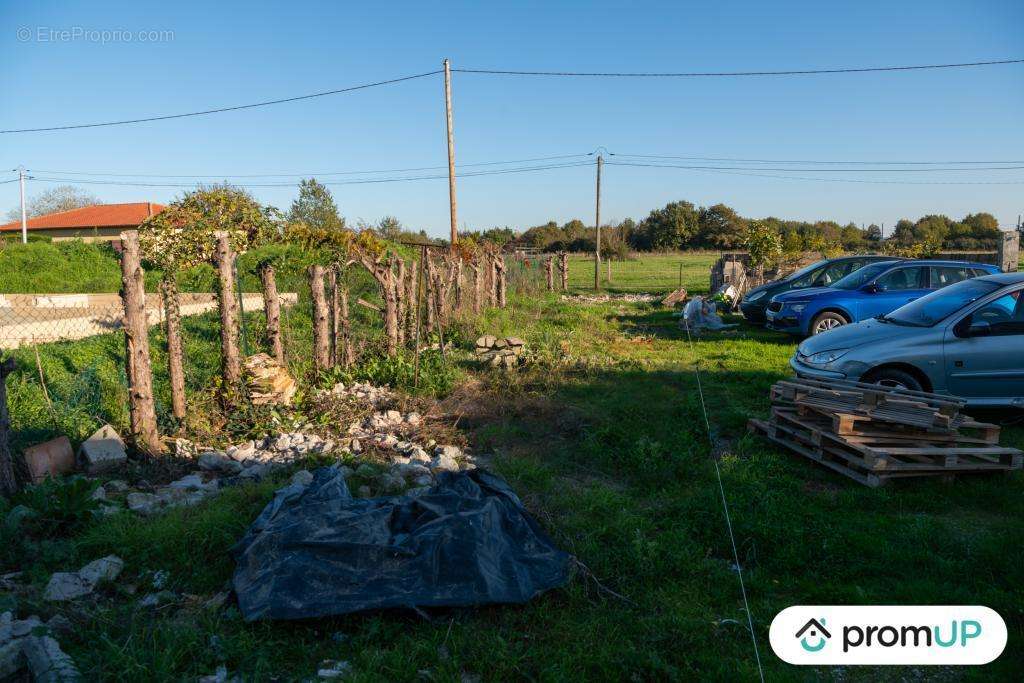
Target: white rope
(725,505)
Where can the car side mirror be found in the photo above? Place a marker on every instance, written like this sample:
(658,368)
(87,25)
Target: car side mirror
(979,329)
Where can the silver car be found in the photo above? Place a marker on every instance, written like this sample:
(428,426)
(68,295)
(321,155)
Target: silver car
(965,340)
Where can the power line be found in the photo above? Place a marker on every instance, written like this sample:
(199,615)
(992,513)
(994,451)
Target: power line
(713,74)
(224,109)
(807,161)
(825,180)
(310,174)
(824,170)
(362,181)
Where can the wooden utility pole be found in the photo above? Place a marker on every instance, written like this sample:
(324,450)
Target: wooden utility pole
(141,408)
(597,225)
(24,219)
(451,152)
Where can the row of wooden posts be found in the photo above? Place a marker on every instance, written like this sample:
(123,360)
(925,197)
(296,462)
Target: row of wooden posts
(420,297)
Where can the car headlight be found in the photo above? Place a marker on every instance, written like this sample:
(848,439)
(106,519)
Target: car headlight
(758,295)
(825,357)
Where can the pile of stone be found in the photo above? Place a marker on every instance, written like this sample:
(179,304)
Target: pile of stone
(376,397)
(399,461)
(28,645)
(606,298)
(499,351)
(268,381)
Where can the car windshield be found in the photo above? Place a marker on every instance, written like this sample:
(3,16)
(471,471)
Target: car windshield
(859,278)
(940,304)
(804,271)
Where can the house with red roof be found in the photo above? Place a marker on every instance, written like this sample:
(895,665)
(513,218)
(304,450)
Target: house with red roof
(96,223)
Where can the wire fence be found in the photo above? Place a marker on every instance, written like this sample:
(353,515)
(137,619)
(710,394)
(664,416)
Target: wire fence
(70,351)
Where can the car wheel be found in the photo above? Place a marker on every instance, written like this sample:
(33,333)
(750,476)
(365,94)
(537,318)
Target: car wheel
(827,321)
(897,379)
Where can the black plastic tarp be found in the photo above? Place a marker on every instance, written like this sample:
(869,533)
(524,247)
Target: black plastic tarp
(316,551)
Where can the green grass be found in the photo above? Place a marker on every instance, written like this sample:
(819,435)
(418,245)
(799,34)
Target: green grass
(656,273)
(602,436)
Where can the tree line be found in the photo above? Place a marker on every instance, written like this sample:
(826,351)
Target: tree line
(683,226)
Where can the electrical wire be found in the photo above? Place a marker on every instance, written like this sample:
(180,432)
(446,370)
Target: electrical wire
(827,170)
(807,161)
(823,180)
(224,109)
(362,181)
(310,174)
(714,74)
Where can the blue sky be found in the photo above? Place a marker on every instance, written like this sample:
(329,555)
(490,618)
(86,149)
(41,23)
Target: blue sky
(228,53)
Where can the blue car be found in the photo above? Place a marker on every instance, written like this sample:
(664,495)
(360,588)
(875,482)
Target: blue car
(873,290)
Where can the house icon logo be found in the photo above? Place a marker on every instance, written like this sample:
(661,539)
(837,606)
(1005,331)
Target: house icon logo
(815,631)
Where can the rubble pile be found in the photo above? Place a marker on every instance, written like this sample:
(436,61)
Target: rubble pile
(28,645)
(269,382)
(499,351)
(385,439)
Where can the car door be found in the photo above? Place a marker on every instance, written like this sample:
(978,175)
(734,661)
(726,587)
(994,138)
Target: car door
(988,363)
(896,287)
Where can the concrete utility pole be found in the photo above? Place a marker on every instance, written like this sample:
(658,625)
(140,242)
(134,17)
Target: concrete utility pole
(24,219)
(597,224)
(451,151)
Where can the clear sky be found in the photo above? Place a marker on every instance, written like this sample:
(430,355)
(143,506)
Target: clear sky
(227,53)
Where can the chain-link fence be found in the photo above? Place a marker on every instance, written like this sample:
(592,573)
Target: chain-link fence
(69,348)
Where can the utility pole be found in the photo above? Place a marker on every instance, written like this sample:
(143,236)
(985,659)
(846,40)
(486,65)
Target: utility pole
(597,225)
(451,151)
(24,220)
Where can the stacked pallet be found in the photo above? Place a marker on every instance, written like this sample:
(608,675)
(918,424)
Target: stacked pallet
(875,434)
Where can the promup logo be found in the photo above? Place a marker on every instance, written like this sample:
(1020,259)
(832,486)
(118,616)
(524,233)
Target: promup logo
(887,634)
(814,629)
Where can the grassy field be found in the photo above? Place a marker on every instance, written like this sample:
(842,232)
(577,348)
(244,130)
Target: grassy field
(645,273)
(602,436)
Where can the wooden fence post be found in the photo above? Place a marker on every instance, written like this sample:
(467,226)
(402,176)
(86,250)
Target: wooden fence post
(175,364)
(332,316)
(136,339)
(8,476)
(500,285)
(412,288)
(348,357)
(478,285)
(549,272)
(231,364)
(563,267)
(321,343)
(402,303)
(272,308)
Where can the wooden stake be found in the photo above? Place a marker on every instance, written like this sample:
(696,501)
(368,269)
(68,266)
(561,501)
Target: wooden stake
(549,272)
(419,305)
(272,308)
(346,330)
(136,338)
(563,267)
(321,340)
(175,363)
(8,474)
(230,361)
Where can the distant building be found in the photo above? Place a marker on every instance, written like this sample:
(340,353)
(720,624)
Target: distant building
(96,223)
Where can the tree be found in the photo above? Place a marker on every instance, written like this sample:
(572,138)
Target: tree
(764,244)
(672,227)
(390,228)
(315,207)
(720,227)
(873,234)
(60,198)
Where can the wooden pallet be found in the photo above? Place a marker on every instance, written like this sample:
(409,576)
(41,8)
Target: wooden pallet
(875,435)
